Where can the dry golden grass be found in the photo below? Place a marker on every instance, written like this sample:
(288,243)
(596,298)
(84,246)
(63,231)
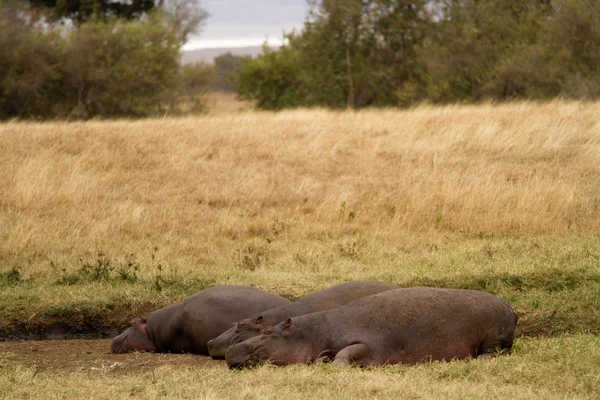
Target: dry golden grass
(505,198)
(265,188)
(222,103)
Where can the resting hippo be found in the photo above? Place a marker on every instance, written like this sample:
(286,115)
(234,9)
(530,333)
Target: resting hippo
(397,326)
(187,326)
(332,297)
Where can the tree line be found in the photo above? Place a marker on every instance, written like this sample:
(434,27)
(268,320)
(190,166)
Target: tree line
(359,53)
(105,58)
(90,58)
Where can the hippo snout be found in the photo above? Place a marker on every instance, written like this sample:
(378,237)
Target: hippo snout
(119,343)
(211,349)
(116,345)
(240,355)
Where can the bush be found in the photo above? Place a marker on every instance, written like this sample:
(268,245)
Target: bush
(226,66)
(120,68)
(31,61)
(379,53)
(270,79)
(196,80)
(108,69)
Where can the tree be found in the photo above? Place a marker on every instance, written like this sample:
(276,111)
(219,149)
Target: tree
(186,15)
(356,53)
(226,66)
(271,79)
(31,61)
(121,68)
(82,10)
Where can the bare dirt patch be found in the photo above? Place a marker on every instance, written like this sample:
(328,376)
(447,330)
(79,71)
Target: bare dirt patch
(78,355)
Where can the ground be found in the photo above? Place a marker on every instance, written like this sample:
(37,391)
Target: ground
(92,354)
(102,221)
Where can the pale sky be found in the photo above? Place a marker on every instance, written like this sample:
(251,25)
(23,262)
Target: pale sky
(242,23)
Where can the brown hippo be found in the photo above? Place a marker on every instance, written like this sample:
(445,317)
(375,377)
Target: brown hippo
(397,326)
(332,297)
(187,326)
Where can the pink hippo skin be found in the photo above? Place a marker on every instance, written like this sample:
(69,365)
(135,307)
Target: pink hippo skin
(401,326)
(187,326)
(332,297)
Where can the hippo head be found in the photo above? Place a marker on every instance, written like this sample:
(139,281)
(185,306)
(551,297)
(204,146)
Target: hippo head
(277,345)
(243,330)
(135,338)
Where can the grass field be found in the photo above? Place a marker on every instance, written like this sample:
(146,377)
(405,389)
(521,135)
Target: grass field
(104,220)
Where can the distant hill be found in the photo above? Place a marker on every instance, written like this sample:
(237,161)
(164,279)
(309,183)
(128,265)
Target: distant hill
(209,55)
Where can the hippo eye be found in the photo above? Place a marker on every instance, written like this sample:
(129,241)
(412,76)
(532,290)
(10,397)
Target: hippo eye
(267,331)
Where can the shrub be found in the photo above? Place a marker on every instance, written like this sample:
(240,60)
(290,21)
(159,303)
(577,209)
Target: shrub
(120,68)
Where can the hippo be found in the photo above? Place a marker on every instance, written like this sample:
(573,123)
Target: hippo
(187,326)
(332,297)
(401,326)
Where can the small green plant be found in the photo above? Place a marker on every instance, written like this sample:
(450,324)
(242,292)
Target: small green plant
(159,282)
(164,281)
(100,270)
(11,277)
(175,284)
(128,271)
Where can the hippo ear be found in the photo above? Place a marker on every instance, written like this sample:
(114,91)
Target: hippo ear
(287,324)
(143,325)
(258,320)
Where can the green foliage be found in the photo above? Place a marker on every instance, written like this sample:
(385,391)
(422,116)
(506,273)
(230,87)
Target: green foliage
(196,80)
(31,71)
(123,69)
(174,284)
(100,270)
(226,66)
(572,38)
(114,68)
(360,53)
(271,79)
(84,10)
(11,277)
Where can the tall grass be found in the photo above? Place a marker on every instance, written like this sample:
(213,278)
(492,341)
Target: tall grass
(205,190)
(103,220)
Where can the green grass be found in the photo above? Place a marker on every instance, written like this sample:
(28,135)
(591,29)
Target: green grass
(543,368)
(552,282)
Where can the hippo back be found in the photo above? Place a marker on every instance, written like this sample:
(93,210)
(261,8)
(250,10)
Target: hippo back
(341,294)
(186,327)
(326,299)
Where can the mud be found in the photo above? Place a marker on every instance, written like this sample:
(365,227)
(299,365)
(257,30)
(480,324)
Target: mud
(81,355)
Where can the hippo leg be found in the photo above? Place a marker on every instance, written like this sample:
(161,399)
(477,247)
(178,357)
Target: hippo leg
(354,354)
(323,360)
(492,347)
